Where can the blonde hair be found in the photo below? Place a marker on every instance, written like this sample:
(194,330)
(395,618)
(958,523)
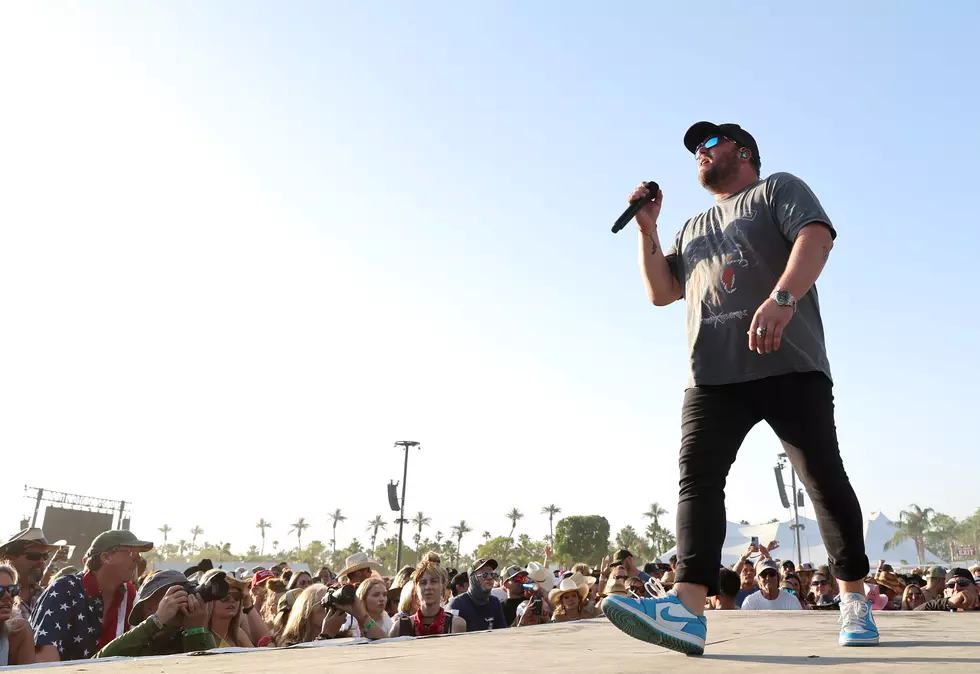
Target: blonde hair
(432,556)
(274,588)
(427,566)
(11,571)
(233,625)
(297,629)
(367,585)
(407,602)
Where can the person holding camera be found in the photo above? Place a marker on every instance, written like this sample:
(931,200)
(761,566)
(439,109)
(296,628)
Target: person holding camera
(431,618)
(347,615)
(225,613)
(79,615)
(373,595)
(168,617)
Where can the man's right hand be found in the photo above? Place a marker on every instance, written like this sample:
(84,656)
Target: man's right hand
(169,611)
(646,218)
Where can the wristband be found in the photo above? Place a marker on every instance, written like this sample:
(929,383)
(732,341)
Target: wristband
(370,623)
(248,610)
(194,630)
(156,621)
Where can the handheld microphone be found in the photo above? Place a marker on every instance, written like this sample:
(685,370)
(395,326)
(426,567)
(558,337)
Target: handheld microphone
(635,207)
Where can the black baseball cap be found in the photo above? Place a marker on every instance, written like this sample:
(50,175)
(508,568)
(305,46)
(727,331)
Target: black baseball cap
(701,131)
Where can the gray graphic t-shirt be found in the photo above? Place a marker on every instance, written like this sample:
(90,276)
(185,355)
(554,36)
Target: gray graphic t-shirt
(728,260)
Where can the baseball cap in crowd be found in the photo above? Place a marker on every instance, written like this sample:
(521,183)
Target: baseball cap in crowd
(480,563)
(512,571)
(701,131)
(961,573)
(764,564)
(287,600)
(261,576)
(937,572)
(107,541)
(621,556)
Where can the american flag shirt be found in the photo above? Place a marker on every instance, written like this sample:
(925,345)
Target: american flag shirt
(69,615)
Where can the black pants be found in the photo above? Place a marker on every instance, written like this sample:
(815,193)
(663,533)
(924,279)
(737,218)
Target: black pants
(799,407)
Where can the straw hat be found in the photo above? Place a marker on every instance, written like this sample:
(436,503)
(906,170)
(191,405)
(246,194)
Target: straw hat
(566,586)
(357,562)
(616,586)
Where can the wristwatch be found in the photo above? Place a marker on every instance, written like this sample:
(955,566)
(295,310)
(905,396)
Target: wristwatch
(783,298)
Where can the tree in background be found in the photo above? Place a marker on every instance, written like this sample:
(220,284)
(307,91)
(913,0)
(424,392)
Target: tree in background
(912,526)
(314,556)
(942,535)
(514,515)
(500,548)
(181,544)
(165,529)
(654,512)
(373,526)
(253,552)
(551,511)
(299,526)
(419,521)
(338,559)
(262,525)
(387,554)
(458,531)
(582,538)
(528,550)
(195,532)
(628,539)
(487,536)
(336,516)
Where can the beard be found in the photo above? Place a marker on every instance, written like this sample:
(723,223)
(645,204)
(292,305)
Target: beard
(719,172)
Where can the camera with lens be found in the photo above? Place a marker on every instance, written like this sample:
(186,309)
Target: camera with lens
(343,595)
(215,589)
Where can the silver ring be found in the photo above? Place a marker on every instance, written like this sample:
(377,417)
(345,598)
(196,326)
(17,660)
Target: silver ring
(761,331)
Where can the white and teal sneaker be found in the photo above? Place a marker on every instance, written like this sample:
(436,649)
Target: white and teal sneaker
(662,621)
(857,624)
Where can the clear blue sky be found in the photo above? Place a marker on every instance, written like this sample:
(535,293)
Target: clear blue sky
(310,229)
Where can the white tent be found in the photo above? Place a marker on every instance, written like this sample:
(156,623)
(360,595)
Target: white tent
(878,530)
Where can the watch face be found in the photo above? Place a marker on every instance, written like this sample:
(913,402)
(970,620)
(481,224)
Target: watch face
(783,297)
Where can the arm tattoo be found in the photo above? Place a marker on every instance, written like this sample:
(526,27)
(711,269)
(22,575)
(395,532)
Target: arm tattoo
(653,244)
(826,253)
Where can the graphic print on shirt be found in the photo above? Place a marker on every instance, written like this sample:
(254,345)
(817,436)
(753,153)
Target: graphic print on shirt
(715,261)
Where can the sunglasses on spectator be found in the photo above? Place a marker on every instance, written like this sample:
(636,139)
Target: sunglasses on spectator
(710,143)
(12,590)
(519,579)
(960,582)
(234,596)
(487,574)
(37,556)
(818,583)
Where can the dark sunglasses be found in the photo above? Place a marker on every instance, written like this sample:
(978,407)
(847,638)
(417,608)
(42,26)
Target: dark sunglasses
(818,583)
(12,590)
(519,579)
(961,582)
(710,143)
(486,574)
(37,556)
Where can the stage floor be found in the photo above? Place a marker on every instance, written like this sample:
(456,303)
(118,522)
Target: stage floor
(738,642)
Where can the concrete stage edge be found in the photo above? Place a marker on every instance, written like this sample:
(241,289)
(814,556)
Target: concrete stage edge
(738,641)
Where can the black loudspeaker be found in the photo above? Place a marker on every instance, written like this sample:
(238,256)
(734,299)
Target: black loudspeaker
(782,488)
(393,496)
(799,499)
(24,523)
(125,524)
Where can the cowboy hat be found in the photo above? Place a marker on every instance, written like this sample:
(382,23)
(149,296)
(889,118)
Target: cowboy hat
(616,586)
(566,586)
(536,573)
(358,561)
(32,537)
(582,580)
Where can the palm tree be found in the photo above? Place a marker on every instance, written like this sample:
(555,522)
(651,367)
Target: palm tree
(165,529)
(181,544)
(419,521)
(514,515)
(275,546)
(460,530)
(299,526)
(551,511)
(337,517)
(373,526)
(912,526)
(195,532)
(487,536)
(654,513)
(223,550)
(262,525)
(942,534)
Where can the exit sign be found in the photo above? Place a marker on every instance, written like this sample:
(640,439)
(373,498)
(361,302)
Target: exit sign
(966,552)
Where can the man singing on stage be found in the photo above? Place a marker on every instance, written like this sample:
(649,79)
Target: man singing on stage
(747,269)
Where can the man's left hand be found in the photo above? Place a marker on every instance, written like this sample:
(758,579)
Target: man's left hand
(774,319)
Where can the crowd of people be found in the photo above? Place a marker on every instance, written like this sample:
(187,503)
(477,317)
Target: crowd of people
(114,606)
